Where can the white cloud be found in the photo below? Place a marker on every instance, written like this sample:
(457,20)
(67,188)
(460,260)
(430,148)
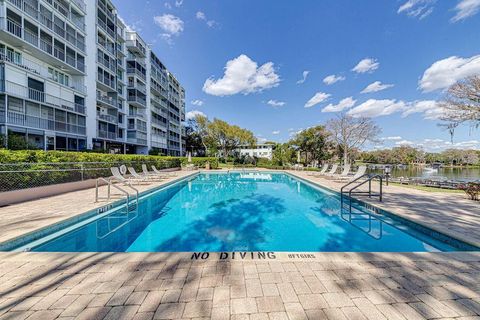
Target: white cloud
(276,132)
(197,102)
(316,99)
(366,65)
(417,8)
(391,138)
(376,86)
(243,75)
(443,73)
(304,77)
(169,23)
(192,114)
(404,143)
(167,5)
(201,16)
(465,9)
(275,103)
(430,109)
(375,108)
(344,104)
(331,79)
(178,3)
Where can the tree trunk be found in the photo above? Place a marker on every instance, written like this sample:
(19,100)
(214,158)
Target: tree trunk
(345,156)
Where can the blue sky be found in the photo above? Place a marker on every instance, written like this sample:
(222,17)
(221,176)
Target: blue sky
(243,61)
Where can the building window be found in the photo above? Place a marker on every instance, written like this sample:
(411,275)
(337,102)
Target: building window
(59,77)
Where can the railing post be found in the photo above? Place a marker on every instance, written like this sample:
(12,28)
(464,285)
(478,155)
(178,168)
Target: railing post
(82,171)
(381,189)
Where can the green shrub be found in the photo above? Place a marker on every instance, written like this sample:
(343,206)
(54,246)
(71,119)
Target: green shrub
(51,167)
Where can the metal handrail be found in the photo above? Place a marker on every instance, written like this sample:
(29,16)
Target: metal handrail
(369,192)
(109,184)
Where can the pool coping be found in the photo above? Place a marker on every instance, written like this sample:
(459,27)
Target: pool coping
(21,240)
(387,211)
(12,245)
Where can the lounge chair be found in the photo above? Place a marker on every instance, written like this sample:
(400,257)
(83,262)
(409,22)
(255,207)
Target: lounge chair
(322,171)
(117,175)
(138,176)
(344,173)
(166,174)
(332,171)
(360,172)
(152,174)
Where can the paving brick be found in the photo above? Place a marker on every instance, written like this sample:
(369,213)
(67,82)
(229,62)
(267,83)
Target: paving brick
(143,316)
(312,301)
(97,313)
(337,299)
(295,311)
(220,313)
(120,296)
(270,304)
(425,310)
(315,314)
(407,311)
(136,298)
(390,312)
(26,304)
(44,315)
(238,291)
(254,288)
(77,306)
(172,295)
(353,313)
(121,313)
(169,310)
(369,309)
(278,316)
(49,300)
(287,292)
(436,305)
(243,305)
(270,289)
(151,302)
(100,300)
(205,294)
(221,296)
(197,309)
(64,301)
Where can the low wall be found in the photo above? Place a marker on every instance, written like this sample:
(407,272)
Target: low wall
(23,195)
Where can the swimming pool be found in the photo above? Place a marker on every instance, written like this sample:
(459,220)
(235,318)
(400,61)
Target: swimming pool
(243,211)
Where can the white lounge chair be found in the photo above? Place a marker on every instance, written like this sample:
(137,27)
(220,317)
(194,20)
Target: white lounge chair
(117,175)
(344,173)
(152,174)
(360,172)
(139,176)
(166,174)
(332,171)
(322,171)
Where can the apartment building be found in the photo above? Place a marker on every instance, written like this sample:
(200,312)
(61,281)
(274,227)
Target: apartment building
(72,77)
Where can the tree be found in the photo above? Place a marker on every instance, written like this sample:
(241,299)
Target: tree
(352,133)
(461,103)
(283,154)
(314,142)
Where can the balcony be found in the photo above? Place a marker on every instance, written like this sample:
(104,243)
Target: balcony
(136,72)
(107,117)
(106,135)
(138,86)
(38,69)
(24,120)
(110,84)
(105,99)
(39,96)
(140,141)
(137,114)
(43,43)
(137,101)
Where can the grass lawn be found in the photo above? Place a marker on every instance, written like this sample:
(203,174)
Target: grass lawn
(428,189)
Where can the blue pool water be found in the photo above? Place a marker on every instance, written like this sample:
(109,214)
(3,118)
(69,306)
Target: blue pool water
(241,212)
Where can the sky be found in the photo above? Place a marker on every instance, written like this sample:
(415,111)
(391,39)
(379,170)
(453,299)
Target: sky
(277,67)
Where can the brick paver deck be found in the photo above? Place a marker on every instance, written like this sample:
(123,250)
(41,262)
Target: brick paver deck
(245,286)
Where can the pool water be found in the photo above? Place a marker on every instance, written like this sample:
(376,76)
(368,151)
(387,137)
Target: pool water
(241,212)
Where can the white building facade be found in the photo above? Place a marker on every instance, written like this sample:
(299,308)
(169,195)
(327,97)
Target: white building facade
(258,151)
(73,78)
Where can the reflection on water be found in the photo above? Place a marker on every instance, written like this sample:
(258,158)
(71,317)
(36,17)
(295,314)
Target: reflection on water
(467,174)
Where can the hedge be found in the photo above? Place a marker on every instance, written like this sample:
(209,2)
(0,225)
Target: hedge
(33,168)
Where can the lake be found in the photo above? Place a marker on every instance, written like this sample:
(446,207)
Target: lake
(466,174)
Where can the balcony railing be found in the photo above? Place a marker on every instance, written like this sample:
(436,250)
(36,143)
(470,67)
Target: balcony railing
(137,99)
(107,118)
(137,141)
(137,114)
(107,134)
(24,120)
(135,71)
(33,39)
(36,95)
(106,99)
(34,67)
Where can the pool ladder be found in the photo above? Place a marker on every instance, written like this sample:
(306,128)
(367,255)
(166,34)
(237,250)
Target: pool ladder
(357,183)
(129,206)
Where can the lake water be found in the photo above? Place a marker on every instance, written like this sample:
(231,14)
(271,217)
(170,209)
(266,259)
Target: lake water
(464,174)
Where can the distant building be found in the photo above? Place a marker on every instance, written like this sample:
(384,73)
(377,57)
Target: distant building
(258,151)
